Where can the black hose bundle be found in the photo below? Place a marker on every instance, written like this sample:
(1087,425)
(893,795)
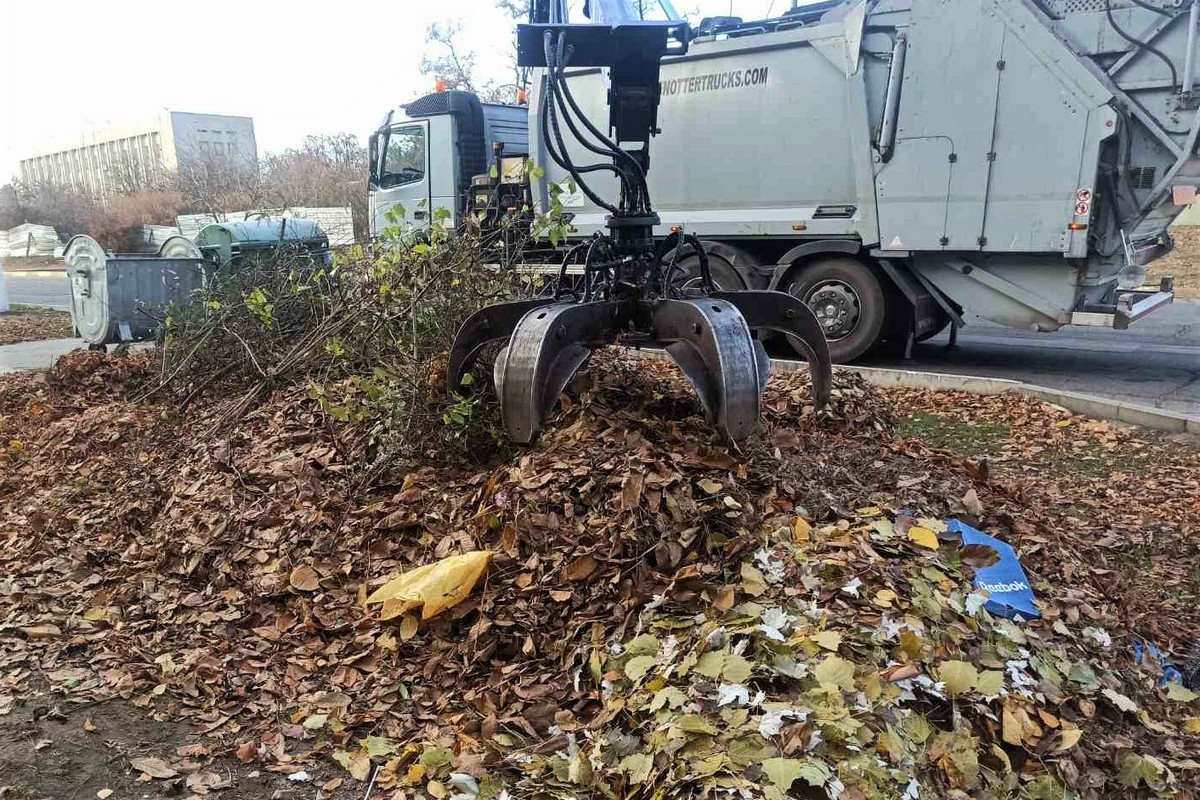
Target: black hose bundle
(556,100)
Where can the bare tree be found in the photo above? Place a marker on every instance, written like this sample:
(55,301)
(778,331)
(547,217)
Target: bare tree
(456,67)
(211,184)
(324,171)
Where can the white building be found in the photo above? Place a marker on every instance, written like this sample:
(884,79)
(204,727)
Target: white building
(104,161)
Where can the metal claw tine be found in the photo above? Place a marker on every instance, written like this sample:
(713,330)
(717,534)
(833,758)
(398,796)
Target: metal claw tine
(492,323)
(781,312)
(548,346)
(711,343)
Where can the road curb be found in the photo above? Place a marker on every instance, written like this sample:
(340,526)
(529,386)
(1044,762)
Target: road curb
(1085,404)
(29,273)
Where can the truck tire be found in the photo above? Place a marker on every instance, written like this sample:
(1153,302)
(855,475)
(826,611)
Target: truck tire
(848,299)
(720,266)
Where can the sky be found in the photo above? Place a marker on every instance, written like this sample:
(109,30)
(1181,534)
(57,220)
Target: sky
(68,66)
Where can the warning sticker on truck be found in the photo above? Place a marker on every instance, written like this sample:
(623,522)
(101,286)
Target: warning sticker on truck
(716,81)
(1083,202)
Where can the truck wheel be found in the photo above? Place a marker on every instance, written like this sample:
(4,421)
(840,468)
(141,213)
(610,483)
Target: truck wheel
(724,274)
(848,300)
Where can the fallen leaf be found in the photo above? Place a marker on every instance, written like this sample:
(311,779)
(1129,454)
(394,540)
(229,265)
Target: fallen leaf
(709,486)
(923,537)
(154,767)
(1119,700)
(89,726)
(304,579)
(41,631)
(580,568)
(836,672)
(1068,738)
(1180,693)
(247,752)
(638,666)
(104,793)
(959,677)
(437,586)
(801,530)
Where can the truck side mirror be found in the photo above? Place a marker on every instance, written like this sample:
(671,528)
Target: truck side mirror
(373,159)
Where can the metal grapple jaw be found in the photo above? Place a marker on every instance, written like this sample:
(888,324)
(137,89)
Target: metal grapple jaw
(712,339)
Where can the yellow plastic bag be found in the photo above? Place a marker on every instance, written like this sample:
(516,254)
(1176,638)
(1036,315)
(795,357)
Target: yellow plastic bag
(438,586)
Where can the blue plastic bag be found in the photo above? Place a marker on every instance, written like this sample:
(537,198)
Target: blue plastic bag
(1005,581)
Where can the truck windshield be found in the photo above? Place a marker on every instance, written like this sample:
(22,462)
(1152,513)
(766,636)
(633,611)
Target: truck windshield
(404,156)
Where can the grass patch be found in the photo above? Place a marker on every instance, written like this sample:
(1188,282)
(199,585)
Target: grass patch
(949,433)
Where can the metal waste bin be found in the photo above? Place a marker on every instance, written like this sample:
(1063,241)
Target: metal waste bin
(235,243)
(119,297)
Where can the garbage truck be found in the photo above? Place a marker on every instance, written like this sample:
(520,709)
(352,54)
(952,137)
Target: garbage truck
(899,165)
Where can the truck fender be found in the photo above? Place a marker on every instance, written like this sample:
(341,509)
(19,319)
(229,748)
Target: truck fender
(788,260)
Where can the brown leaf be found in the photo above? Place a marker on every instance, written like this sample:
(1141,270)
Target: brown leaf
(304,579)
(154,767)
(580,569)
(247,752)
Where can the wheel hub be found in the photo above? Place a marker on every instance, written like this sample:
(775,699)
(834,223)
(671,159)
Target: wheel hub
(837,308)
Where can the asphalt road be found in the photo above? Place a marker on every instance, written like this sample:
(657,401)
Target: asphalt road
(1156,363)
(50,292)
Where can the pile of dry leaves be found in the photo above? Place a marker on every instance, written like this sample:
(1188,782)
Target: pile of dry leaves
(31,324)
(661,616)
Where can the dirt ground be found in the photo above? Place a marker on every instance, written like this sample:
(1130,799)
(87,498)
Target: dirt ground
(54,750)
(30,323)
(1183,263)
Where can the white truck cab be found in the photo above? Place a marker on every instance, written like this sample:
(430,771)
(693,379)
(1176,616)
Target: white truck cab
(425,154)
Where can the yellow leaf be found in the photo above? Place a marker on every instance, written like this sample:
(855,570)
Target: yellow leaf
(1017,728)
(869,511)
(923,537)
(830,640)
(89,726)
(1069,737)
(1180,693)
(709,486)
(835,671)
(801,531)
(95,614)
(438,586)
(959,677)
(1192,726)
(884,598)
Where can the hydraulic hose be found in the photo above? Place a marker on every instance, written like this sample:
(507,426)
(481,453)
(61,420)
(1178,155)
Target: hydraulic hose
(614,150)
(562,157)
(550,124)
(555,83)
(1149,48)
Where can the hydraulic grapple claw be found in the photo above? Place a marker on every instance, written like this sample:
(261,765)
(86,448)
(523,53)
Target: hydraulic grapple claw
(494,323)
(548,346)
(783,313)
(711,343)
